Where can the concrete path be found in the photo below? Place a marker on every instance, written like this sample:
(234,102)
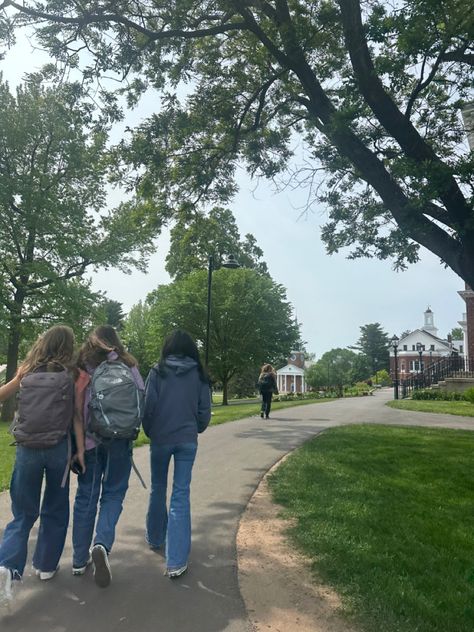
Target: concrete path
(232,459)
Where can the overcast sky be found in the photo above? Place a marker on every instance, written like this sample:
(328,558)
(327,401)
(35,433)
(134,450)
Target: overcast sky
(332,296)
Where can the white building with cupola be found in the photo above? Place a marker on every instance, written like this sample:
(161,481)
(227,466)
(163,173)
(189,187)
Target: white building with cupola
(291,377)
(422,347)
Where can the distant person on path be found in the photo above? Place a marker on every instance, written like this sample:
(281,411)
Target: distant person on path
(108,460)
(267,385)
(41,428)
(177,408)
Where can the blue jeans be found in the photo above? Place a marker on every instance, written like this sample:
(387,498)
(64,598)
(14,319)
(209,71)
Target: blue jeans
(31,466)
(106,478)
(175,528)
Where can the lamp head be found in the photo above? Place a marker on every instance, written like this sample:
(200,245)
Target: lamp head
(230,262)
(419,346)
(394,341)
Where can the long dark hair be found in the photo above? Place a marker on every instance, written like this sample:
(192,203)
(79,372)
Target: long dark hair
(99,344)
(180,343)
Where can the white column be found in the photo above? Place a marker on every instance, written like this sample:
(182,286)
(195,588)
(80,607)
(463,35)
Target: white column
(294,383)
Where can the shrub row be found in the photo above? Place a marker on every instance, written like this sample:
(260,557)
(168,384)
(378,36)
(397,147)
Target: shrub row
(448,396)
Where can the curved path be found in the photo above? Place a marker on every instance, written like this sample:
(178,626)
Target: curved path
(232,459)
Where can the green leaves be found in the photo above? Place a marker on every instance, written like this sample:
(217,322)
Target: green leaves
(54,224)
(251,320)
(372,91)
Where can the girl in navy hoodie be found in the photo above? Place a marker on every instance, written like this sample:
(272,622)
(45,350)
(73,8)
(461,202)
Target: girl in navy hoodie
(177,408)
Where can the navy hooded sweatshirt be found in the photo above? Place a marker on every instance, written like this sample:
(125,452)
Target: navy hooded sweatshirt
(177,404)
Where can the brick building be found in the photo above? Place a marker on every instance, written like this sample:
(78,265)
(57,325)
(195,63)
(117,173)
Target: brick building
(467,323)
(425,340)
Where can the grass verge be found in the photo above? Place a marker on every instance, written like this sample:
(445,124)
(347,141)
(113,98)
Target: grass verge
(7,456)
(465,409)
(386,514)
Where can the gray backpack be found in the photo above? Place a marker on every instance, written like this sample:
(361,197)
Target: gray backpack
(45,409)
(116,405)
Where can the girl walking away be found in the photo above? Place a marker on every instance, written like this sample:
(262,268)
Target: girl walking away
(112,405)
(42,432)
(177,408)
(267,385)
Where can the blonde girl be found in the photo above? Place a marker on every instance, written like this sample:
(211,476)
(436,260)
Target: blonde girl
(42,454)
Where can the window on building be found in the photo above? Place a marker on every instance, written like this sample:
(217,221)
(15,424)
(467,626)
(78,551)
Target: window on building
(413,348)
(414,366)
(405,347)
(461,349)
(403,367)
(432,348)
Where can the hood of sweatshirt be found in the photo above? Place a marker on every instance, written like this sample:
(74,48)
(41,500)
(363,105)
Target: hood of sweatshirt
(180,364)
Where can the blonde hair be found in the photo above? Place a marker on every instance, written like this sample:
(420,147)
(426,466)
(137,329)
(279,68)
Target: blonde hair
(56,346)
(267,368)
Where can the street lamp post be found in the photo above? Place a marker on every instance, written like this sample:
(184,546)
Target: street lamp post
(229,262)
(394,342)
(419,348)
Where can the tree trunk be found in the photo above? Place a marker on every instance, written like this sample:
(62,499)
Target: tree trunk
(225,388)
(14,336)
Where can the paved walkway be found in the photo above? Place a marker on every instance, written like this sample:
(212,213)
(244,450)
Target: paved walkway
(232,459)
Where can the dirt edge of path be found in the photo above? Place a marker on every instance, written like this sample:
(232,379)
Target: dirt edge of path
(275,581)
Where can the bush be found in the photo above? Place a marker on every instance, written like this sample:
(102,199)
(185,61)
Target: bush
(436,394)
(469,395)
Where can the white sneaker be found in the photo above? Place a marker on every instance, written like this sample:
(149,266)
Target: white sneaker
(80,570)
(6,587)
(45,575)
(176,572)
(102,572)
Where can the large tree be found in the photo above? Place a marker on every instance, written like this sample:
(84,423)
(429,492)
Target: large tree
(251,320)
(375,90)
(195,237)
(136,337)
(334,369)
(374,344)
(53,222)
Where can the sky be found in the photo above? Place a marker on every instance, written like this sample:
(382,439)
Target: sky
(331,295)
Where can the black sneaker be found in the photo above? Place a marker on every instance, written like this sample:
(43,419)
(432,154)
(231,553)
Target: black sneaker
(102,572)
(261,415)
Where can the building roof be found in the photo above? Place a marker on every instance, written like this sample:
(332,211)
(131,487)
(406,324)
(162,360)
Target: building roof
(290,369)
(440,341)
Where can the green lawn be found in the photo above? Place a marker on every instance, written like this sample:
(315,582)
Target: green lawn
(387,516)
(466,409)
(7,456)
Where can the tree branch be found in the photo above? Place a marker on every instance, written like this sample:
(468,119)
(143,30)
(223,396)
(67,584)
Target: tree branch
(392,119)
(104,18)
(68,274)
(460,56)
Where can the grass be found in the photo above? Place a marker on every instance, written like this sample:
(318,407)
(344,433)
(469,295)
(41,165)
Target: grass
(7,456)
(465,409)
(386,514)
